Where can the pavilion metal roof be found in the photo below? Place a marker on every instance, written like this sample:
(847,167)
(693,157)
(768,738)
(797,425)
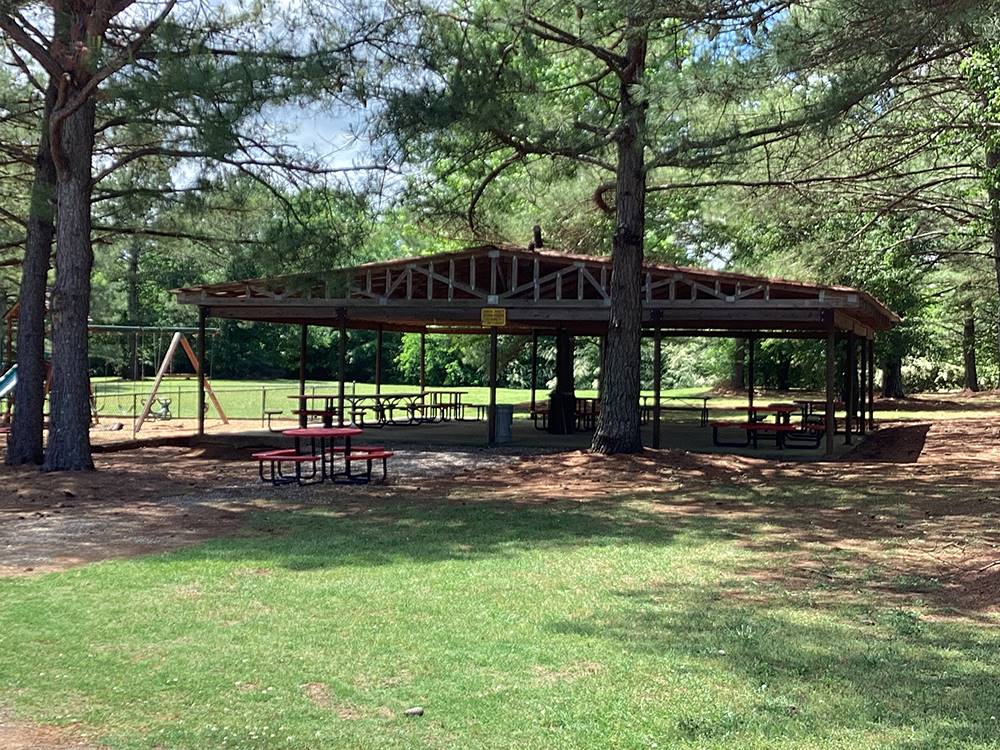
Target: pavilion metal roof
(539,290)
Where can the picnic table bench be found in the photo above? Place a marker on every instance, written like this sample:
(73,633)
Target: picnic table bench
(585,414)
(684,403)
(317,464)
(276,459)
(397,409)
(784,434)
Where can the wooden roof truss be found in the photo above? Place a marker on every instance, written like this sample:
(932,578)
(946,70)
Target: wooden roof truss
(539,290)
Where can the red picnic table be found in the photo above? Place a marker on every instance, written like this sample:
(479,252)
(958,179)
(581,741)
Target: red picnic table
(326,413)
(320,457)
(782,412)
(781,430)
(816,408)
(326,452)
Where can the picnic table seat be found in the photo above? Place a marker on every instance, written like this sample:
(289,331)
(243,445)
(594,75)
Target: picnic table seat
(647,410)
(540,414)
(584,419)
(271,414)
(276,460)
(784,435)
(369,454)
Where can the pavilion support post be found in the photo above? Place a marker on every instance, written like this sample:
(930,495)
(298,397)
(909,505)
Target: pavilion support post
(341,366)
(657,382)
(378,359)
(863,386)
(202,315)
(491,416)
(303,340)
(871,383)
(534,368)
(602,347)
(423,361)
(751,352)
(850,402)
(831,369)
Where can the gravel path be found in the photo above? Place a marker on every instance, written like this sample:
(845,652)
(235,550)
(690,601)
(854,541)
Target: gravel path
(155,499)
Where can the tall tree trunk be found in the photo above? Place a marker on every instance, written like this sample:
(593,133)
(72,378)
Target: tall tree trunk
(993,194)
(69,429)
(618,428)
(892,378)
(738,377)
(971,380)
(784,372)
(562,402)
(25,441)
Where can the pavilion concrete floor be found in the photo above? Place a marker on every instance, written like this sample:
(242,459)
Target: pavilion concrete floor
(686,436)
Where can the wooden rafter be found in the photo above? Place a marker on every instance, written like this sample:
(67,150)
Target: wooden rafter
(536,287)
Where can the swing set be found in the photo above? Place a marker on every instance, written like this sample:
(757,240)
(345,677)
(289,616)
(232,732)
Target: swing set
(177,339)
(180,339)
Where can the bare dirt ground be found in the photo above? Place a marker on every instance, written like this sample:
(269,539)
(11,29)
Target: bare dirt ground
(162,497)
(133,504)
(19,735)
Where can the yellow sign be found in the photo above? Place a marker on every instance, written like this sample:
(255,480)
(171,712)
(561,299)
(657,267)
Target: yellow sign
(491,317)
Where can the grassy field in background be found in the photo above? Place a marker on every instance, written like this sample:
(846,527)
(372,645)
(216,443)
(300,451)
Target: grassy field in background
(246,399)
(559,625)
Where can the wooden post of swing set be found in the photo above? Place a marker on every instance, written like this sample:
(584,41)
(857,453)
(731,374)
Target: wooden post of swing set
(179,339)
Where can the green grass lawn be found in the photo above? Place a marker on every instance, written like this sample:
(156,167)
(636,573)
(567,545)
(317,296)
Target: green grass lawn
(565,625)
(246,399)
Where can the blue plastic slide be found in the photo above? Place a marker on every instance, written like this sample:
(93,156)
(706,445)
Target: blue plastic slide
(8,381)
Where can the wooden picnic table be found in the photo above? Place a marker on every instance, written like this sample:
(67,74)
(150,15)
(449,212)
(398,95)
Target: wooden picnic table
(587,409)
(449,403)
(813,404)
(689,403)
(421,407)
(782,412)
(327,413)
(810,407)
(385,405)
(443,405)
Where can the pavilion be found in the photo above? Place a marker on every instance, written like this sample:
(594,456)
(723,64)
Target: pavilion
(494,289)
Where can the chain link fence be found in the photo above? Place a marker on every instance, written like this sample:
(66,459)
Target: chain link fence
(173,401)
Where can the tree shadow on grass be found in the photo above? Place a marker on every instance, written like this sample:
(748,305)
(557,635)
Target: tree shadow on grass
(321,537)
(931,535)
(880,669)
(821,514)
